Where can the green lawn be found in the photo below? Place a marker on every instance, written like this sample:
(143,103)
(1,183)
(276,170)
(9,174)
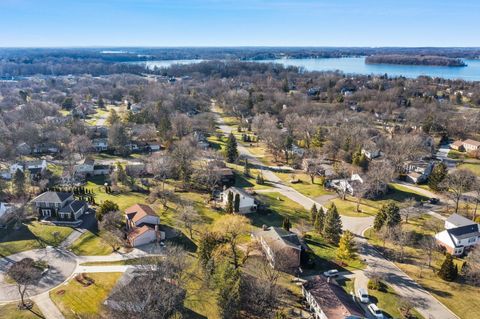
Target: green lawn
(11,311)
(388,302)
(90,244)
(31,235)
(304,186)
(462,299)
(347,284)
(326,255)
(474,167)
(77,301)
(124,200)
(280,207)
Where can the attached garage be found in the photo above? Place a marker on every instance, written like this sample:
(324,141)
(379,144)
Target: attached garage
(142,236)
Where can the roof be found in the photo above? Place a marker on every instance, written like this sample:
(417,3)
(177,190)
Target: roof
(276,236)
(459,220)
(139,211)
(73,206)
(35,163)
(239,191)
(88,161)
(139,231)
(458,143)
(472,142)
(464,231)
(335,303)
(52,197)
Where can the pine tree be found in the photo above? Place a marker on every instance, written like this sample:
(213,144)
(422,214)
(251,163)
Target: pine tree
(286,224)
(319,223)
(236,203)
(246,168)
(259,179)
(393,215)
(448,271)
(228,297)
(333,225)
(229,207)
(101,103)
(313,213)
(18,182)
(231,152)
(346,247)
(438,174)
(379,220)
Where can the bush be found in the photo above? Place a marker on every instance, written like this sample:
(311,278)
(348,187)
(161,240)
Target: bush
(375,284)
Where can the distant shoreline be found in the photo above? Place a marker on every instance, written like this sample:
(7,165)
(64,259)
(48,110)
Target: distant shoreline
(397,59)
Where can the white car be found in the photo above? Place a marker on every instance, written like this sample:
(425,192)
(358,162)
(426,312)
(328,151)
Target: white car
(331,273)
(363,295)
(376,312)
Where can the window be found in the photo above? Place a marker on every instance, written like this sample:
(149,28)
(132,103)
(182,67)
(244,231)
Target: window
(472,240)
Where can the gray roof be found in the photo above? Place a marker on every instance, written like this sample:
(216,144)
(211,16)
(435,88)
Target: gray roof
(459,220)
(52,197)
(73,206)
(464,231)
(280,236)
(240,191)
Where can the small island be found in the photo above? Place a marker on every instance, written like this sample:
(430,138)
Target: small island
(433,60)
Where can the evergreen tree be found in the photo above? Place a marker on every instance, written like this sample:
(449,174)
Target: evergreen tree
(346,247)
(448,271)
(236,203)
(113,117)
(333,225)
(286,224)
(438,174)
(246,168)
(259,179)
(106,207)
(228,297)
(313,213)
(231,152)
(229,207)
(388,215)
(379,220)
(18,183)
(101,103)
(319,223)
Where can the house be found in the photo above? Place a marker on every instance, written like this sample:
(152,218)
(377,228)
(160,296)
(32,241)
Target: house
(100,144)
(327,300)
(23,149)
(459,240)
(247,202)
(456,220)
(282,248)
(458,146)
(60,207)
(347,185)
(471,145)
(226,175)
(45,148)
(371,153)
(139,215)
(5,212)
(35,168)
(418,171)
(142,224)
(86,168)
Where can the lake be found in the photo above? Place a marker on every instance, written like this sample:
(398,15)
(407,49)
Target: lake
(356,65)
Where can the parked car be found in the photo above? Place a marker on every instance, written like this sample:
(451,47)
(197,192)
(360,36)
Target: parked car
(331,273)
(434,200)
(376,312)
(362,295)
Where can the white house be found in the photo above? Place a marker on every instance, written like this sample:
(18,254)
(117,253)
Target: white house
(100,144)
(142,236)
(458,240)
(418,171)
(371,153)
(86,168)
(471,145)
(247,202)
(347,185)
(5,210)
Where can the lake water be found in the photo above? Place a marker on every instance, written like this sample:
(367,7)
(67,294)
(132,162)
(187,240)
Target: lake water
(356,65)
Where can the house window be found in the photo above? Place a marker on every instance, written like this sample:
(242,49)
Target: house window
(471,240)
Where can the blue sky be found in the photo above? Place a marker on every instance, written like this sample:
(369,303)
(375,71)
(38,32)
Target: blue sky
(34,23)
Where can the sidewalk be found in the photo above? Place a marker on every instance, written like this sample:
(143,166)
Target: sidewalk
(47,306)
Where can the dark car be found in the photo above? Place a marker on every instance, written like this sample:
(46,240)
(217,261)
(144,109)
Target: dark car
(434,200)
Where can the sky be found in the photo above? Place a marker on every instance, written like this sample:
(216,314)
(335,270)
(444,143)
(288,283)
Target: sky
(167,23)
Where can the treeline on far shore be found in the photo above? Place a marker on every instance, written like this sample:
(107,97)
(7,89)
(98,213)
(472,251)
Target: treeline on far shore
(414,60)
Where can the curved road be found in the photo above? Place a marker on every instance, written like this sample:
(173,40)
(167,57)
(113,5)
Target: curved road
(405,286)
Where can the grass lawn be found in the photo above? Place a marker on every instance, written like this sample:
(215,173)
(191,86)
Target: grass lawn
(304,187)
(31,235)
(326,255)
(11,311)
(348,207)
(474,167)
(280,207)
(459,297)
(90,244)
(388,302)
(78,301)
(347,284)
(124,200)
